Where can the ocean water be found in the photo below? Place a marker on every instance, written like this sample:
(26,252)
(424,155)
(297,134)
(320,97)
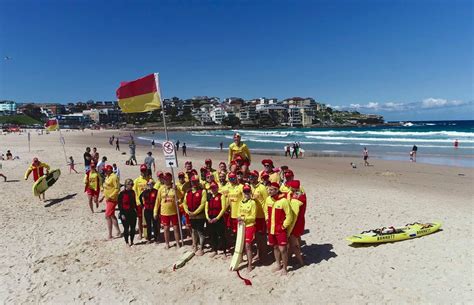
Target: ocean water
(434,139)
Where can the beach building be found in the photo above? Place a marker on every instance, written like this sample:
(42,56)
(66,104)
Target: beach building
(7,107)
(248,115)
(218,114)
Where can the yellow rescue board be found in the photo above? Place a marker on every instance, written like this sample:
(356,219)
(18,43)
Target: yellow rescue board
(384,235)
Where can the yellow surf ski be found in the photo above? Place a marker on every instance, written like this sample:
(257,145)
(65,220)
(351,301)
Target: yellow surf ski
(392,234)
(239,247)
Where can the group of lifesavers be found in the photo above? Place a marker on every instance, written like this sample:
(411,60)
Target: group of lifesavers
(271,204)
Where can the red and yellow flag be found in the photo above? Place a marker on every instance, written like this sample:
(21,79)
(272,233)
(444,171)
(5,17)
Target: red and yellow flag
(141,95)
(51,125)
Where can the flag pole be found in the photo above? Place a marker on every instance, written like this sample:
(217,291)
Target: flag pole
(61,139)
(158,87)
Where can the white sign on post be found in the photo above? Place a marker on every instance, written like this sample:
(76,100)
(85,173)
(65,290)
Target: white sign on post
(170,154)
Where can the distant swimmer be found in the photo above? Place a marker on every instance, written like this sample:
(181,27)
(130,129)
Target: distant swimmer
(456,144)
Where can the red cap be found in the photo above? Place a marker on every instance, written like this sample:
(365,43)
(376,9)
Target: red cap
(159,174)
(267,162)
(194,172)
(109,168)
(253,173)
(194,179)
(275,184)
(168,176)
(203,169)
(143,168)
(181,174)
(214,185)
(232,175)
(265,175)
(247,188)
(289,173)
(208,161)
(294,184)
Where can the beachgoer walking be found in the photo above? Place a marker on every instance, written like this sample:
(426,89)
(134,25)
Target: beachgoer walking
(279,217)
(117,145)
(365,153)
(95,155)
(153,144)
(38,169)
(150,161)
(221,145)
(413,153)
(92,186)
(100,167)
(111,192)
(71,165)
(294,153)
(184,149)
(177,145)
(132,147)
(87,159)
(287,150)
(128,211)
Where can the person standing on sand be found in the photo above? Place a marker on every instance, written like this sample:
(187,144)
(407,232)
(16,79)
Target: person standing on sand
(297,200)
(247,213)
(87,159)
(287,150)
(194,204)
(184,149)
(259,194)
(111,192)
(153,144)
(177,145)
(95,155)
(150,161)
(279,218)
(365,153)
(92,186)
(128,211)
(38,169)
(132,147)
(165,209)
(148,201)
(221,145)
(139,185)
(413,153)
(117,145)
(214,209)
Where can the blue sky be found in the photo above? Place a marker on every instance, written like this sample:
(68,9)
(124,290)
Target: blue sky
(404,59)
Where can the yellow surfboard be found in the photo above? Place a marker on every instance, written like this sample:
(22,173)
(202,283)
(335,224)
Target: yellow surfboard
(391,234)
(45,182)
(239,247)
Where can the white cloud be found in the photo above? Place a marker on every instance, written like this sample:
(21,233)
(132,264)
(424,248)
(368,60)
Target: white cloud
(429,103)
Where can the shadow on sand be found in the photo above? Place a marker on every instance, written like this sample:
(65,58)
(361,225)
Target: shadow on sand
(59,200)
(314,254)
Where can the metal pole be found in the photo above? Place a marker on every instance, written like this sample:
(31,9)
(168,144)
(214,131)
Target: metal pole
(29,146)
(61,139)
(158,87)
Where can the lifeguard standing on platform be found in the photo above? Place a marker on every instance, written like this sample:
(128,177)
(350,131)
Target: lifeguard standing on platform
(38,169)
(239,149)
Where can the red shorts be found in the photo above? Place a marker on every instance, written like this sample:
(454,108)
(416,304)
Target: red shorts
(278,239)
(249,234)
(140,211)
(169,220)
(233,224)
(298,229)
(93,193)
(110,208)
(260,225)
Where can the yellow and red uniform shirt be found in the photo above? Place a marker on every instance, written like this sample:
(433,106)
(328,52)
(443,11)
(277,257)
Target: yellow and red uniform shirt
(111,187)
(165,200)
(37,170)
(298,207)
(92,181)
(279,215)
(248,211)
(234,196)
(273,177)
(139,185)
(260,194)
(285,189)
(239,150)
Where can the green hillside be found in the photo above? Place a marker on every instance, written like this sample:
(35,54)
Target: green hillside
(19,119)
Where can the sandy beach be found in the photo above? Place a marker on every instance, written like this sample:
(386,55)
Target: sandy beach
(56,252)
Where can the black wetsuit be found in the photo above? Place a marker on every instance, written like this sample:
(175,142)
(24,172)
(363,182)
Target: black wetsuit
(128,213)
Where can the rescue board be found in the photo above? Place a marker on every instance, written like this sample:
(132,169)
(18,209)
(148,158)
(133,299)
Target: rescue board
(45,182)
(183,259)
(392,234)
(239,247)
